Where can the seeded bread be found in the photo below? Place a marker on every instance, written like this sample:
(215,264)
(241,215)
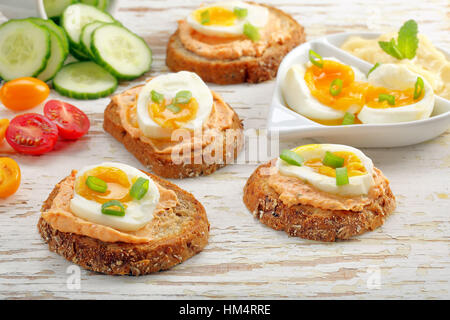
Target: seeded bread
(181,241)
(244,69)
(313,223)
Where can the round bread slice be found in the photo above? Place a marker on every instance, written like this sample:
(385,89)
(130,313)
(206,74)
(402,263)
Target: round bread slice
(162,164)
(245,69)
(309,222)
(181,237)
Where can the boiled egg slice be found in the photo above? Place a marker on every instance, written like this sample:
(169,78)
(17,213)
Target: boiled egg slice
(173,101)
(87,203)
(323,177)
(224,19)
(306,89)
(398,82)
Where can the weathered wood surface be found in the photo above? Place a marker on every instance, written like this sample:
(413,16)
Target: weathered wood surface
(245,259)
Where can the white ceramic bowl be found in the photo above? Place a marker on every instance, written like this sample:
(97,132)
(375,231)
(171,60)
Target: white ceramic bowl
(291,125)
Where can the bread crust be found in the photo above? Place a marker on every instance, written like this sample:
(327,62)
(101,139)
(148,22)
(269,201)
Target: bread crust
(121,258)
(308,222)
(162,164)
(245,69)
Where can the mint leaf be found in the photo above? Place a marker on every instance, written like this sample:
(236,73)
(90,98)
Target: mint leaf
(407,39)
(391,48)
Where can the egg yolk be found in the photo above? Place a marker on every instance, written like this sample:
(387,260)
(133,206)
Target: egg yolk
(353,93)
(168,118)
(118,185)
(218,16)
(351,162)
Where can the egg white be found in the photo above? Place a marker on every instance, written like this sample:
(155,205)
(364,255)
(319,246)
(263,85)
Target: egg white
(169,85)
(397,77)
(358,185)
(138,212)
(256,15)
(299,98)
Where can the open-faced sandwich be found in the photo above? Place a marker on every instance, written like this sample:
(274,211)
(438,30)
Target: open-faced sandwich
(115,219)
(320,192)
(233,42)
(176,126)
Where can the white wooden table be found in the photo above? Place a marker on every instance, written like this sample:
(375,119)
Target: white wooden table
(406,258)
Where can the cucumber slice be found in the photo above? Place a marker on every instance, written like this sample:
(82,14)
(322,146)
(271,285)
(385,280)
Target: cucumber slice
(86,33)
(78,54)
(84,80)
(55,28)
(121,52)
(76,16)
(24,49)
(54,8)
(90,2)
(57,57)
(103,4)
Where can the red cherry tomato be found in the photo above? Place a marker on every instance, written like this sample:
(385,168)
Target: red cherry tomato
(72,123)
(32,133)
(23,93)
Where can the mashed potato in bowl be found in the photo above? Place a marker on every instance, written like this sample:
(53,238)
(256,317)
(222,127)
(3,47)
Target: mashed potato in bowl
(429,62)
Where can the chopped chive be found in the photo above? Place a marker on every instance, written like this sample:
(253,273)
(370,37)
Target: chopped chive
(349,118)
(183,97)
(139,188)
(316,59)
(113,208)
(205,17)
(373,68)
(157,97)
(386,97)
(341,176)
(173,108)
(96,184)
(251,32)
(336,87)
(333,160)
(291,157)
(418,88)
(240,12)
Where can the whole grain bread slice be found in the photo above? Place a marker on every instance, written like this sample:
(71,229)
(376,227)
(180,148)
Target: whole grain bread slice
(245,69)
(178,242)
(313,223)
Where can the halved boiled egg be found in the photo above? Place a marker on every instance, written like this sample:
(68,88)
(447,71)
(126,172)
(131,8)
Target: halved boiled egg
(321,166)
(399,84)
(114,195)
(226,19)
(173,101)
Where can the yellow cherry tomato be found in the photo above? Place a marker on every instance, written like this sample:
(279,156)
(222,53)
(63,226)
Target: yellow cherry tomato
(9,177)
(23,93)
(4,123)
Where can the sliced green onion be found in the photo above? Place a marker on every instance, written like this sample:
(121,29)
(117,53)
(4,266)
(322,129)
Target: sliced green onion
(205,17)
(96,184)
(240,12)
(373,68)
(336,87)
(341,176)
(333,160)
(349,118)
(113,208)
(316,59)
(251,32)
(292,157)
(139,188)
(418,88)
(386,97)
(173,108)
(183,97)
(157,97)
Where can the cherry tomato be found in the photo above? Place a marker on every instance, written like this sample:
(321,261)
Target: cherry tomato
(23,93)
(72,123)
(32,133)
(4,123)
(9,177)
